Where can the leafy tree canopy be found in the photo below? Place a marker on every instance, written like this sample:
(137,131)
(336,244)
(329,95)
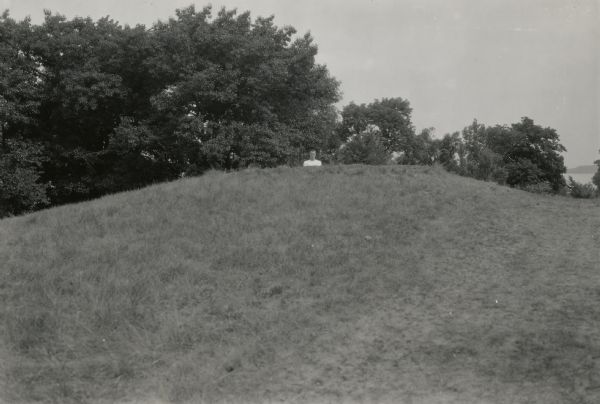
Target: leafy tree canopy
(521,154)
(366,147)
(392,116)
(114,107)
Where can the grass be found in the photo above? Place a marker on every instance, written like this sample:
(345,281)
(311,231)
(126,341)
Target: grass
(355,284)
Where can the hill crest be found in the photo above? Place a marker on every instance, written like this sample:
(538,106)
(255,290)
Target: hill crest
(300,285)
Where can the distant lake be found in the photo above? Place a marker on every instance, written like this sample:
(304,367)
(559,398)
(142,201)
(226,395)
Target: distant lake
(582,178)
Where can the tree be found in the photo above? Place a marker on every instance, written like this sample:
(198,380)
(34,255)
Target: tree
(21,155)
(448,149)
(366,147)
(480,160)
(421,149)
(82,96)
(20,187)
(532,149)
(391,115)
(229,75)
(109,108)
(19,79)
(521,155)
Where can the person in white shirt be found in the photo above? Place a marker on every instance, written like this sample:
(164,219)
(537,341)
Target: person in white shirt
(312,162)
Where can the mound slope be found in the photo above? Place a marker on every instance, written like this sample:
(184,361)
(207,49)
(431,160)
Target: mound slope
(359,284)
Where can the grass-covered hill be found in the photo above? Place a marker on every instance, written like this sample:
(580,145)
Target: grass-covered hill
(340,284)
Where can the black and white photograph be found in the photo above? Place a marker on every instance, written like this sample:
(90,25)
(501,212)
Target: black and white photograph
(300,201)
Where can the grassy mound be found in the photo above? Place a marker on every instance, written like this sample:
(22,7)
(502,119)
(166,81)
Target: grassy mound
(387,284)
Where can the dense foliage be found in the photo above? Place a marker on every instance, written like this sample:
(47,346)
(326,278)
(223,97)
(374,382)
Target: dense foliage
(579,190)
(391,117)
(92,107)
(523,155)
(366,147)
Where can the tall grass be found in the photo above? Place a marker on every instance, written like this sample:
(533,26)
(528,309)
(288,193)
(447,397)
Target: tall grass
(342,283)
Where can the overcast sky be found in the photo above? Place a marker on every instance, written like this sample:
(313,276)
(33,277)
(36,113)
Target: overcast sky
(454,60)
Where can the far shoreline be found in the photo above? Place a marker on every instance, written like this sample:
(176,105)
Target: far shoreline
(587,169)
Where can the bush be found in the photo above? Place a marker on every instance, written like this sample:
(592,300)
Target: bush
(364,148)
(579,190)
(523,173)
(20,187)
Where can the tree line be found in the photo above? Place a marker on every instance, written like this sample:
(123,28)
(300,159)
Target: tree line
(522,154)
(90,107)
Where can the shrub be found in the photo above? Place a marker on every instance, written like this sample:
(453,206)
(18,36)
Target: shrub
(579,190)
(364,148)
(20,187)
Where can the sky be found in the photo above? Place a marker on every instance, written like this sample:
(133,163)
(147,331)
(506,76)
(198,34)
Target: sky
(454,60)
